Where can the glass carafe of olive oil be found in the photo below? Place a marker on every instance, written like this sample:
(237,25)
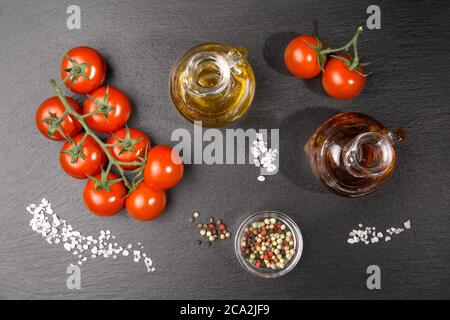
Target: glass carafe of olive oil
(213,83)
(353,154)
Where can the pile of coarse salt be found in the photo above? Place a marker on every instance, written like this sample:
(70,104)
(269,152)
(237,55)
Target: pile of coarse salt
(263,156)
(57,231)
(371,235)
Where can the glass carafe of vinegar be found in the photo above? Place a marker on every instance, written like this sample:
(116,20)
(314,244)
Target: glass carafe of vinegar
(213,83)
(353,154)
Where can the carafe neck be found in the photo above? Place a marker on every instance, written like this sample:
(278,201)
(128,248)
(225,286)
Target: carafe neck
(209,73)
(369,154)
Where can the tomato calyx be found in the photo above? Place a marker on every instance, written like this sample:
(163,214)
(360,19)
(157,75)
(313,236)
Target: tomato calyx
(353,64)
(53,123)
(102,106)
(103,183)
(320,51)
(75,151)
(77,70)
(126,143)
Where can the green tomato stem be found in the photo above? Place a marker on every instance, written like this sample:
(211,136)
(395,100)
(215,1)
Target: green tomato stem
(90,132)
(353,42)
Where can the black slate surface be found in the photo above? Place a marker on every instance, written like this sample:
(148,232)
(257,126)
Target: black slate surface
(140,41)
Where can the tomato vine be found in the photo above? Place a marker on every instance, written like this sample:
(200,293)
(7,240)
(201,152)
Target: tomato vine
(353,64)
(102,183)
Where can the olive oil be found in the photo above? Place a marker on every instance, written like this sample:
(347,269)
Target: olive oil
(212,83)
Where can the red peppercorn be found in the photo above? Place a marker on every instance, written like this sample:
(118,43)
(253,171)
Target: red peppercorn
(258,264)
(263,232)
(212,225)
(222,226)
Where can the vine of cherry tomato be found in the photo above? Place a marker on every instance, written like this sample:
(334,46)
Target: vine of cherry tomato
(343,75)
(85,155)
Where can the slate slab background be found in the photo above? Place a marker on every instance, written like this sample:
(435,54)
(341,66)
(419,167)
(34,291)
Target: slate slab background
(140,41)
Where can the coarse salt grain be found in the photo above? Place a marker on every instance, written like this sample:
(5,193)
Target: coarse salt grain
(263,156)
(56,230)
(370,235)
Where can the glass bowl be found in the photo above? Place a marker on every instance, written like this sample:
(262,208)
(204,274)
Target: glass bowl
(263,271)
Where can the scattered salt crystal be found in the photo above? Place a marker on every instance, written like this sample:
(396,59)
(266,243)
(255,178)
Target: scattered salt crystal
(148,263)
(368,235)
(55,230)
(263,156)
(407,225)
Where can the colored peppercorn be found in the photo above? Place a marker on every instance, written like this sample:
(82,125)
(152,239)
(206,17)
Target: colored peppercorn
(268,243)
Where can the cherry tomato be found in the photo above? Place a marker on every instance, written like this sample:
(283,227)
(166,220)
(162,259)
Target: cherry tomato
(135,142)
(164,168)
(52,109)
(110,101)
(104,202)
(302,60)
(86,160)
(146,203)
(83,69)
(341,82)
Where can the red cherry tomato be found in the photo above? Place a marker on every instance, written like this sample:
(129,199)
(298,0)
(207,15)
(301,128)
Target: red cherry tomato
(112,102)
(135,142)
(164,168)
(146,203)
(52,109)
(302,60)
(86,161)
(341,82)
(83,69)
(104,202)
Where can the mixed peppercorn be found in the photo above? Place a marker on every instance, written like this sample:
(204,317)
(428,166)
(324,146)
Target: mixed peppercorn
(213,230)
(268,243)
